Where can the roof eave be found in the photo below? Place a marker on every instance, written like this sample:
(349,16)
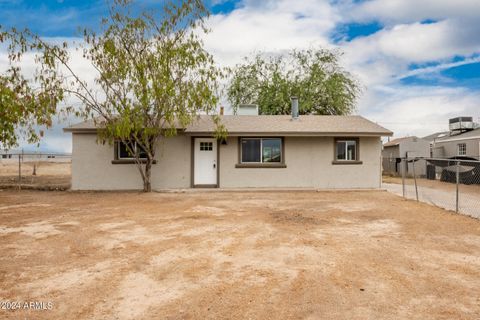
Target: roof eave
(296,134)
(80,130)
(93,130)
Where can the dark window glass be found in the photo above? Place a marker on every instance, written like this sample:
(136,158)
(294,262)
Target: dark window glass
(124,153)
(351,150)
(341,150)
(206,146)
(346,150)
(123,150)
(142,153)
(251,150)
(272,150)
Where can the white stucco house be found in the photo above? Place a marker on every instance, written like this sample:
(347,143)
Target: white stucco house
(261,151)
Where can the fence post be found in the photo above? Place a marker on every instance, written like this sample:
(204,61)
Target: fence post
(404,164)
(415,178)
(19,171)
(457,176)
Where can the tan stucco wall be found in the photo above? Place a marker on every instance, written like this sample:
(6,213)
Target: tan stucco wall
(92,167)
(309,165)
(308,160)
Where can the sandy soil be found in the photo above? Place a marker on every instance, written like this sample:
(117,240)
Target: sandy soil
(435,184)
(50,175)
(225,255)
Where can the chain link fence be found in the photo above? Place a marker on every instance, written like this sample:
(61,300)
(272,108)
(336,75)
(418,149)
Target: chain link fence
(453,184)
(44,171)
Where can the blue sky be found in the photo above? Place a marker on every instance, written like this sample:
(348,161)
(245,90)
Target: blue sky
(418,61)
(62,18)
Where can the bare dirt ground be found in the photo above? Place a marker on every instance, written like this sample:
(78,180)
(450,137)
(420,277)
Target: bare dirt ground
(50,175)
(439,193)
(236,255)
(434,184)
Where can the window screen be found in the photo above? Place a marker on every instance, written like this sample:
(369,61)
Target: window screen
(251,150)
(341,147)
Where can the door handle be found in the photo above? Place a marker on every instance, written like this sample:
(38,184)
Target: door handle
(214,165)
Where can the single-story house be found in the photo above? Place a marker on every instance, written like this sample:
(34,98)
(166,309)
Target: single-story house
(461,141)
(405,147)
(270,151)
(462,145)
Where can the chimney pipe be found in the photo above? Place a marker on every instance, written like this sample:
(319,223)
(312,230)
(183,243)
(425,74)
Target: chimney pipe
(294,108)
(221,111)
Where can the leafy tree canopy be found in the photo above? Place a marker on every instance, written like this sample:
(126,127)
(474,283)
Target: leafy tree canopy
(153,77)
(314,76)
(25,107)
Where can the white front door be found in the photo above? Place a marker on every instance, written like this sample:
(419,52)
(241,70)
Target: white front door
(205,161)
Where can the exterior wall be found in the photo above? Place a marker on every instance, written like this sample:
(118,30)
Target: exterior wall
(308,161)
(391,152)
(389,159)
(438,152)
(309,165)
(92,167)
(411,147)
(415,147)
(449,148)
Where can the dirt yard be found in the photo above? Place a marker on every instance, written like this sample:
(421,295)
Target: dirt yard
(226,255)
(434,184)
(49,175)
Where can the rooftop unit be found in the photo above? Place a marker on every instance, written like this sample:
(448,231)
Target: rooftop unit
(461,124)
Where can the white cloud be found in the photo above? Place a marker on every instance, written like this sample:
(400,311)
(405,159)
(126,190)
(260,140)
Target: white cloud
(379,60)
(418,42)
(384,57)
(270,26)
(407,11)
(418,110)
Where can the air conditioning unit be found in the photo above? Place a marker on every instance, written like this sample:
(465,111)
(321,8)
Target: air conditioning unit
(461,124)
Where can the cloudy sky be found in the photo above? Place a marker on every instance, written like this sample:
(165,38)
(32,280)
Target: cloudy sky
(418,60)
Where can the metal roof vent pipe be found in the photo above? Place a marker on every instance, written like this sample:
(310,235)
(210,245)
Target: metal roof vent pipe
(294,108)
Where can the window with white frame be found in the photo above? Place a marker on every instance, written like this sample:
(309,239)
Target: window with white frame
(346,150)
(261,150)
(462,149)
(124,152)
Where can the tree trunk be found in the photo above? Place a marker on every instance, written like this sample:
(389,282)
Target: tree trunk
(147,185)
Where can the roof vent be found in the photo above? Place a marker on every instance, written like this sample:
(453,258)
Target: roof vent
(247,110)
(294,108)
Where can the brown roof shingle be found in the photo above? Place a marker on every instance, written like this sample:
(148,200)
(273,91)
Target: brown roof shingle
(305,125)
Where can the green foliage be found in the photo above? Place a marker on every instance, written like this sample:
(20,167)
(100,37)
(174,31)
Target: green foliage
(153,77)
(26,105)
(314,76)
